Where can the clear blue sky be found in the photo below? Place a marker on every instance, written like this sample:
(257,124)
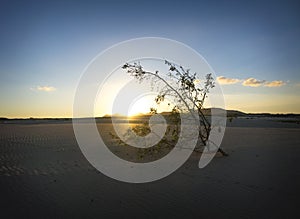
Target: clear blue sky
(45,45)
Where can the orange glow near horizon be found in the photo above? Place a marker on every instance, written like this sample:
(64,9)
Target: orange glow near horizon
(143,105)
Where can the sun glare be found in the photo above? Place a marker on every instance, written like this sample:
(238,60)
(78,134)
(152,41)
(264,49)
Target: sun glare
(143,105)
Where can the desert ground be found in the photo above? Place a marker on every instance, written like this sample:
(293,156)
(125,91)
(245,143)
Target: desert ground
(43,174)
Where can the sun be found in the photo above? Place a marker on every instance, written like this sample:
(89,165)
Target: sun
(141,106)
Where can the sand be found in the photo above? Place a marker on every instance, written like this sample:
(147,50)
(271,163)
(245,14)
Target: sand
(43,174)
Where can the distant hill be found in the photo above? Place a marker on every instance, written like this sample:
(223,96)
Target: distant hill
(235,113)
(206,112)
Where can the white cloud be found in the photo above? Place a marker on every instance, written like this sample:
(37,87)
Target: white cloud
(252,82)
(274,83)
(223,80)
(197,81)
(44,88)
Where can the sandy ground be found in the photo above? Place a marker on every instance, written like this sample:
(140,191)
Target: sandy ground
(43,174)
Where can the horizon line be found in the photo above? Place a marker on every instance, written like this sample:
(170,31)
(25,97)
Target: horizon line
(142,114)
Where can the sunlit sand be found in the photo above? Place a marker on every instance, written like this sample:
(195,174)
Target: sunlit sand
(43,172)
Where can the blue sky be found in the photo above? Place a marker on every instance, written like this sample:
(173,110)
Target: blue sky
(48,43)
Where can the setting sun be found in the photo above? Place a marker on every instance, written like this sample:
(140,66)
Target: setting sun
(143,104)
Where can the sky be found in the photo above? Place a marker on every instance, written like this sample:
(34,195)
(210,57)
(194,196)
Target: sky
(253,47)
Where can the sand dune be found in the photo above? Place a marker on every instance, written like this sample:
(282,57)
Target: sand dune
(43,174)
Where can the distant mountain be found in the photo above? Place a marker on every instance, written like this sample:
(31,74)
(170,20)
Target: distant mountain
(235,113)
(206,112)
(216,111)
(113,115)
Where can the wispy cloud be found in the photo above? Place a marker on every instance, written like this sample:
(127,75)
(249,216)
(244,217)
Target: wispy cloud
(43,88)
(223,80)
(274,83)
(252,82)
